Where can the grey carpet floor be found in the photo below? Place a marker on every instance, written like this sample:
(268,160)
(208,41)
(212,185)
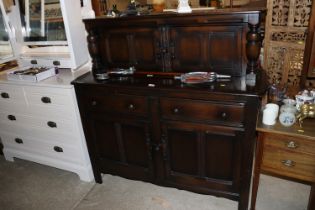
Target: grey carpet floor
(29,186)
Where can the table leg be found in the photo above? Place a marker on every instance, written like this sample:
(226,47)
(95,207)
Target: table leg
(258,160)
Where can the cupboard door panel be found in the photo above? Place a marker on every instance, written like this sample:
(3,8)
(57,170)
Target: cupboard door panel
(134,139)
(207,48)
(220,152)
(123,146)
(107,147)
(202,157)
(225,51)
(138,47)
(183,160)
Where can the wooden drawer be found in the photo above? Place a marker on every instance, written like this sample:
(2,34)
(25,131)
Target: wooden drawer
(291,164)
(290,143)
(195,110)
(43,148)
(118,103)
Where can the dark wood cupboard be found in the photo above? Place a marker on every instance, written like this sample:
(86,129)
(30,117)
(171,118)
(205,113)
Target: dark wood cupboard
(225,41)
(151,127)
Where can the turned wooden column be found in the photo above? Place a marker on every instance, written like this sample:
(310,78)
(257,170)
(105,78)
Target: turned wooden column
(253,44)
(98,68)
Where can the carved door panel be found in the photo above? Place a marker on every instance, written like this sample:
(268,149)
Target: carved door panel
(205,49)
(202,157)
(131,47)
(122,146)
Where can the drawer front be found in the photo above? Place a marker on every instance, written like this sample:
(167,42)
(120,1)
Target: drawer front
(48,99)
(291,164)
(290,143)
(43,148)
(41,133)
(232,114)
(12,94)
(53,123)
(127,104)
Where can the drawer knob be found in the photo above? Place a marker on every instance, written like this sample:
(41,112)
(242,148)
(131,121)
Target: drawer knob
(176,110)
(288,163)
(52,124)
(131,107)
(46,100)
(11,117)
(94,103)
(292,145)
(18,140)
(5,95)
(58,149)
(223,115)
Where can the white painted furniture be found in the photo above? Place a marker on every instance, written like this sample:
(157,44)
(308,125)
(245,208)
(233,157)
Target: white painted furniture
(61,36)
(40,122)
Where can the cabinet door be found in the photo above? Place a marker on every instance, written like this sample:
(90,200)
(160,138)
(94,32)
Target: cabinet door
(207,48)
(201,157)
(120,146)
(131,47)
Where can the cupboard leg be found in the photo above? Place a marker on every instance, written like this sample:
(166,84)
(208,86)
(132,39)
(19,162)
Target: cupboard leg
(311,202)
(258,160)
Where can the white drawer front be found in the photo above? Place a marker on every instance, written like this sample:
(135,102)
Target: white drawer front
(48,100)
(53,123)
(30,145)
(41,133)
(12,94)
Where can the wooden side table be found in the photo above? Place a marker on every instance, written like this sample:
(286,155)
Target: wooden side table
(286,152)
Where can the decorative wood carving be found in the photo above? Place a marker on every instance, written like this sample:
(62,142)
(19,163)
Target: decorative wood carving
(286,27)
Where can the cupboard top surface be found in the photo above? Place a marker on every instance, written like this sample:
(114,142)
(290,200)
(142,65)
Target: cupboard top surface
(236,85)
(240,10)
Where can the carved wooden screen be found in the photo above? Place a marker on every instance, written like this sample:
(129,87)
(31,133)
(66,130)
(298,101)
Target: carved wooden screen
(286,26)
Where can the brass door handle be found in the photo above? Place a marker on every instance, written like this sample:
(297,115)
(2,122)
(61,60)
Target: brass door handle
(288,163)
(292,145)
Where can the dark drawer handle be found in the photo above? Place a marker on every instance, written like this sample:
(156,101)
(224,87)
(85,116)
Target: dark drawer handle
(94,103)
(5,95)
(18,140)
(46,100)
(131,107)
(52,124)
(58,149)
(11,117)
(176,110)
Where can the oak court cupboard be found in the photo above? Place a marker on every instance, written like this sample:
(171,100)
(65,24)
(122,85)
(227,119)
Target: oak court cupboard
(150,127)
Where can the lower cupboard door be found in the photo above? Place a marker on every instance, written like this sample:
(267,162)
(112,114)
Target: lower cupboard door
(201,158)
(122,147)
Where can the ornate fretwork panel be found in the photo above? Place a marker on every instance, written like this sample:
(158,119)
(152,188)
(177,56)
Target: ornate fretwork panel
(290,36)
(302,12)
(275,63)
(280,12)
(295,65)
(286,25)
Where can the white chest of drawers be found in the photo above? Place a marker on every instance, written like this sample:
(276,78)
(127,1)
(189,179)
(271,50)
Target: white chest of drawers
(40,122)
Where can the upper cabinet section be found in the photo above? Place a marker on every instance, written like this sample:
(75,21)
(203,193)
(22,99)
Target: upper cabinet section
(42,21)
(48,32)
(6,51)
(225,41)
